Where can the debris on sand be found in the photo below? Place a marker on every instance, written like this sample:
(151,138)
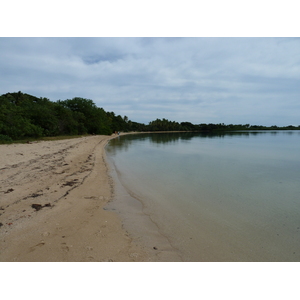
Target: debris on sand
(39,206)
(9,191)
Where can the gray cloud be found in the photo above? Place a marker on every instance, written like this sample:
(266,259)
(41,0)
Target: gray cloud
(200,80)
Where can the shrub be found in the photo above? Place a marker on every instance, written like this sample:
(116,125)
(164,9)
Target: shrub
(5,139)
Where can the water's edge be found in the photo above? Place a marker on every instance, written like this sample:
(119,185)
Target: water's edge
(137,223)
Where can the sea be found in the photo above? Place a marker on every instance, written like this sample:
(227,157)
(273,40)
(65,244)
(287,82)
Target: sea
(210,197)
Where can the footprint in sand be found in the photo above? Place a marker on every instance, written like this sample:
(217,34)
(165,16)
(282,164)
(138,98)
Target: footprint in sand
(65,247)
(91,258)
(42,243)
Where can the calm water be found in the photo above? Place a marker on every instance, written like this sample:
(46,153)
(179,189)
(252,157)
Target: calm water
(226,197)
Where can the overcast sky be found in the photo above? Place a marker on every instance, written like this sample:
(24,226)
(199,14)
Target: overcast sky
(199,80)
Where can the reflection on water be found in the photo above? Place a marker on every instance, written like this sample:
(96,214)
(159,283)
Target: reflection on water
(165,138)
(218,197)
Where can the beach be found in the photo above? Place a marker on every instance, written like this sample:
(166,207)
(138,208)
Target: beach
(53,198)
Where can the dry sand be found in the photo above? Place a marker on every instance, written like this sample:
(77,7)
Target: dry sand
(52,199)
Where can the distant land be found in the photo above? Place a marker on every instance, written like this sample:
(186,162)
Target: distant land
(25,116)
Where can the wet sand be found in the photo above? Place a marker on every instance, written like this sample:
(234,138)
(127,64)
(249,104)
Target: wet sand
(53,206)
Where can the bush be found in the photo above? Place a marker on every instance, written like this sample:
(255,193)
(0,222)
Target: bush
(5,139)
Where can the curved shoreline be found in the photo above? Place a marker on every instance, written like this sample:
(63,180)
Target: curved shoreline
(142,228)
(52,203)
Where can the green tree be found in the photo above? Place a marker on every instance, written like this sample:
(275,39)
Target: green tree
(95,120)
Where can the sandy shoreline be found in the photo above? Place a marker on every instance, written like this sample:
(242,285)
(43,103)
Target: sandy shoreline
(52,199)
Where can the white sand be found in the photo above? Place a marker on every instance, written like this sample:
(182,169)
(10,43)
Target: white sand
(69,179)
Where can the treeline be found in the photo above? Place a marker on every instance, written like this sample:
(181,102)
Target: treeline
(166,125)
(24,116)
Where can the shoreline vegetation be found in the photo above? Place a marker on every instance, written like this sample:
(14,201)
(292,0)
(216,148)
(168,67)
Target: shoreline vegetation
(26,117)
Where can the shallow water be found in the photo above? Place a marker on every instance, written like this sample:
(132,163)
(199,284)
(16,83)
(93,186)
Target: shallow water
(222,197)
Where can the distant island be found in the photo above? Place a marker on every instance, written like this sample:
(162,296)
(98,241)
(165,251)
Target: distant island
(25,116)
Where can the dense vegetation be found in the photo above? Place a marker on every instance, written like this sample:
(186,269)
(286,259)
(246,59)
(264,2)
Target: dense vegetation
(24,116)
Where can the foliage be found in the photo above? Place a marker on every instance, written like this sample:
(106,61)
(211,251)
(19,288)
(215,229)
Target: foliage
(90,118)
(23,115)
(5,139)
(164,125)
(26,116)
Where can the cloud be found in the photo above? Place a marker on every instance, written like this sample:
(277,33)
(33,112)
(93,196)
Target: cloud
(200,80)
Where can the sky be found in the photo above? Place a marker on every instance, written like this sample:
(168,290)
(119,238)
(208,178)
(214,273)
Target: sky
(199,79)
